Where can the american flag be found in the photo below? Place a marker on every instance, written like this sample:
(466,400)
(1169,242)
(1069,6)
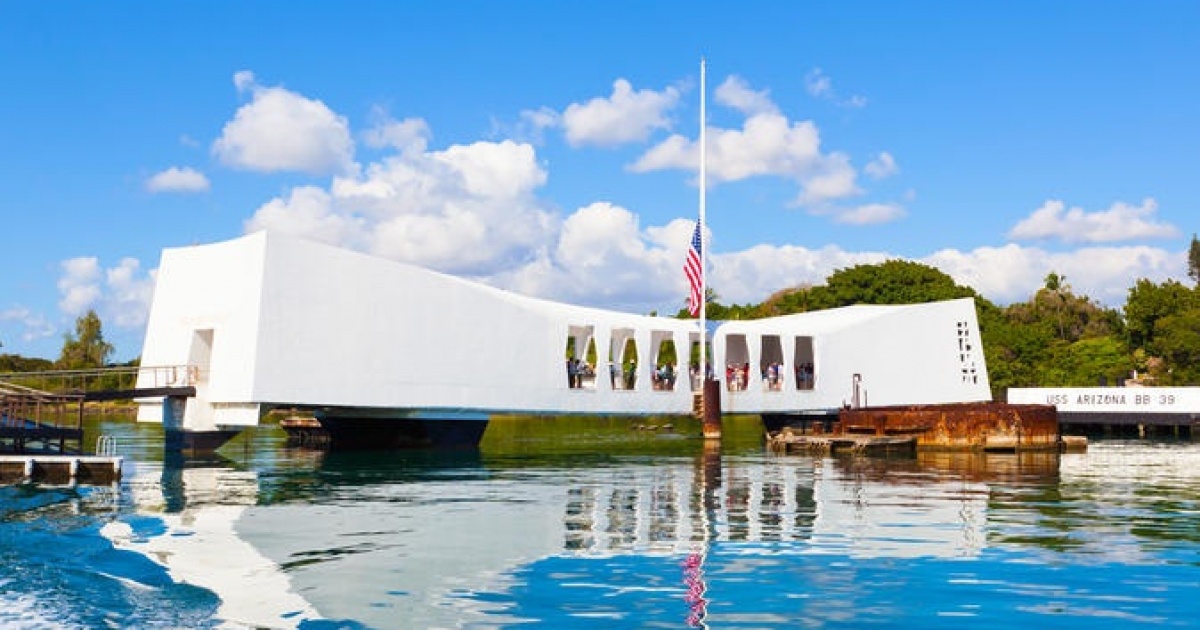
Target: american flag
(694,271)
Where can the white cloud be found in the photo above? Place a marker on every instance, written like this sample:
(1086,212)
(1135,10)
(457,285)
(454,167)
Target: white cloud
(175,179)
(736,93)
(753,274)
(309,212)
(626,116)
(767,144)
(411,134)
(819,85)
(602,256)
(870,214)
(128,294)
(34,325)
(467,209)
(833,178)
(79,284)
(884,165)
(121,295)
(244,81)
(1121,222)
(1013,273)
(473,209)
(279,130)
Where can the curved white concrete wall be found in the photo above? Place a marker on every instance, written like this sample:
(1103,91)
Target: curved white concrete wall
(284,321)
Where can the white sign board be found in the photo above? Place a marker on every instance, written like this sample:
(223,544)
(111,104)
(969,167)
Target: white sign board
(1181,400)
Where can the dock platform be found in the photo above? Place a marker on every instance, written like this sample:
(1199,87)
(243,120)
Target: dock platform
(84,469)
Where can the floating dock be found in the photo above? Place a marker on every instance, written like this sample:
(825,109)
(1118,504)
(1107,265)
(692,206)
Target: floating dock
(85,469)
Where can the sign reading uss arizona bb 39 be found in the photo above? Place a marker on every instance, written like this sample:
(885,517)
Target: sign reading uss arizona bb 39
(1111,399)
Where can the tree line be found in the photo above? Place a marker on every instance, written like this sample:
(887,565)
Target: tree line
(82,350)
(1054,338)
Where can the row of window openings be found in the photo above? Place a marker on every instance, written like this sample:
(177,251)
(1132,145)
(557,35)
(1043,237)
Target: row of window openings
(621,368)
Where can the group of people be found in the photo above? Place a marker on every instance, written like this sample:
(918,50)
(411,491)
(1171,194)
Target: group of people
(737,376)
(577,370)
(804,376)
(662,377)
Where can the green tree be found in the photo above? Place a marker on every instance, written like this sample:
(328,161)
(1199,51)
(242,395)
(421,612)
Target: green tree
(1177,341)
(1086,362)
(18,363)
(1055,284)
(891,282)
(1148,303)
(86,348)
(1194,260)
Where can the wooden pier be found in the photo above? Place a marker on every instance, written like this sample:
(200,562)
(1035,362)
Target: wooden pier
(35,420)
(59,469)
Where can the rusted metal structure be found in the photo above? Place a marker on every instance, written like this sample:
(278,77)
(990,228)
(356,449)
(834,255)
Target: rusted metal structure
(966,427)
(986,426)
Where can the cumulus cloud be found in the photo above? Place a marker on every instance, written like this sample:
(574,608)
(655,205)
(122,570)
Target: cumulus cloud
(180,180)
(766,145)
(734,92)
(280,130)
(33,325)
(120,295)
(79,284)
(465,209)
(474,210)
(625,116)
(870,214)
(1121,222)
(411,134)
(819,85)
(602,256)
(884,165)
(128,292)
(1012,272)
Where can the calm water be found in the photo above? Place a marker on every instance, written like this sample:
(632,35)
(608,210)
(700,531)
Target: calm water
(653,533)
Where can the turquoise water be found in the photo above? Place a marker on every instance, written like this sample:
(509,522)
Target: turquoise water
(665,535)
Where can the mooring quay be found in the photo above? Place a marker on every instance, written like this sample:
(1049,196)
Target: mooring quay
(59,469)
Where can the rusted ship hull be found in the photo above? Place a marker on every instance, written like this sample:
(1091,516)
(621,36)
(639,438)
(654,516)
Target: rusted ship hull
(960,427)
(952,427)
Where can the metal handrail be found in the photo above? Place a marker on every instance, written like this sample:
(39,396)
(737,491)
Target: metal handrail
(158,375)
(106,446)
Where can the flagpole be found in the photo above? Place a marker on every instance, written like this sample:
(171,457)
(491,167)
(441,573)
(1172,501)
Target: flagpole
(703,245)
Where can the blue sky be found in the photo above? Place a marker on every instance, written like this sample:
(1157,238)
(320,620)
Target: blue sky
(550,148)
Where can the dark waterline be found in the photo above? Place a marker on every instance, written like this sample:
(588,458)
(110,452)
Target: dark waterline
(607,527)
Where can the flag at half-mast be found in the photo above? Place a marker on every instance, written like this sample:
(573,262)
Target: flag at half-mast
(694,270)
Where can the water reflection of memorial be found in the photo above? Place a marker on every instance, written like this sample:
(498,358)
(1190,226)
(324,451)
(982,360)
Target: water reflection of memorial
(360,536)
(935,505)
